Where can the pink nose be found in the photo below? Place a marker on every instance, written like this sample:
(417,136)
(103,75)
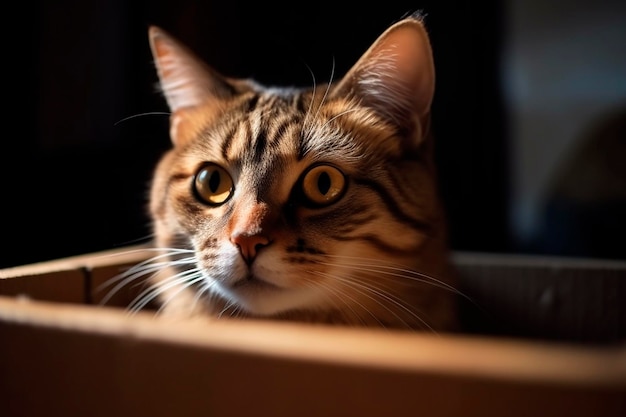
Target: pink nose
(250,228)
(249,245)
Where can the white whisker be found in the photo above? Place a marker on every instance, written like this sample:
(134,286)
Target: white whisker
(328,85)
(398,271)
(368,290)
(183,284)
(155,291)
(228,305)
(339,294)
(153,113)
(336,116)
(308,112)
(204,288)
(147,268)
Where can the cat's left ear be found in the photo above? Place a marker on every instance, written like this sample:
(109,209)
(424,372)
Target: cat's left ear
(187,84)
(396,77)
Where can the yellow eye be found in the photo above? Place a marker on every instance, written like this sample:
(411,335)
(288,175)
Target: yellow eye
(323,184)
(213,185)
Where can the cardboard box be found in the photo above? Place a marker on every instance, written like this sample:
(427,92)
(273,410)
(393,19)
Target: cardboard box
(548,340)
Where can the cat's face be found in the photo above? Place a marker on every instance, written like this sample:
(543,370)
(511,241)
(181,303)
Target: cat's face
(316,205)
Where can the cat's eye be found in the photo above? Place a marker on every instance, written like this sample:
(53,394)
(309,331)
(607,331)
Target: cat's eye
(323,184)
(213,185)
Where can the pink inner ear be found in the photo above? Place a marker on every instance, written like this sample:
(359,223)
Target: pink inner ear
(396,76)
(185,79)
(414,72)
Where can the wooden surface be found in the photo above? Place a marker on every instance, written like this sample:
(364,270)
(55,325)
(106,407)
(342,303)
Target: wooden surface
(549,341)
(100,361)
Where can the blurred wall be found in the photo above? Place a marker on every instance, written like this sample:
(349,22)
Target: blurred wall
(518,84)
(86,129)
(564,73)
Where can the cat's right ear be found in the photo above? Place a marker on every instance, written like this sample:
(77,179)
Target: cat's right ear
(187,84)
(395,78)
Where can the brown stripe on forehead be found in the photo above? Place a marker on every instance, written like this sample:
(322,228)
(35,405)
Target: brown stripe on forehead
(275,116)
(273,113)
(265,175)
(303,106)
(250,105)
(227,141)
(302,103)
(280,127)
(246,108)
(272,136)
(259,144)
(239,139)
(271,100)
(242,130)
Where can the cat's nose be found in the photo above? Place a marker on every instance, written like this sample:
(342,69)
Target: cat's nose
(250,228)
(249,245)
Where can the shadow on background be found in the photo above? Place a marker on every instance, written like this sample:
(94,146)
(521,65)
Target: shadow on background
(76,167)
(585,213)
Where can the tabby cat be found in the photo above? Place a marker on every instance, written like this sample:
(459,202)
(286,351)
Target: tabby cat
(316,205)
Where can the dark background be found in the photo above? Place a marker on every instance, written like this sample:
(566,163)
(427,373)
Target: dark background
(75,168)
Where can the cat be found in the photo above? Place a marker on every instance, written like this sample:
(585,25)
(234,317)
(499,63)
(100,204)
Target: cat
(315,205)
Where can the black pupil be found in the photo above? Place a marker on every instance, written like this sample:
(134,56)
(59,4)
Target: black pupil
(214,181)
(323,182)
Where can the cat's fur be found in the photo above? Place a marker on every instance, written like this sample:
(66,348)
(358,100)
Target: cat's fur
(324,207)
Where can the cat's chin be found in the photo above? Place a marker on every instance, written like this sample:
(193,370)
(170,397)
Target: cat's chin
(253,283)
(261,298)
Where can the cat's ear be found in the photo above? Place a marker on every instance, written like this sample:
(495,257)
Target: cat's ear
(186,82)
(396,77)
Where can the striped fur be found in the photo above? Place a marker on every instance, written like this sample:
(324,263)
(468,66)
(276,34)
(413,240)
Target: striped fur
(376,256)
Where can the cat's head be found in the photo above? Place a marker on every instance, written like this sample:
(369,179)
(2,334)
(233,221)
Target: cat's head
(316,204)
